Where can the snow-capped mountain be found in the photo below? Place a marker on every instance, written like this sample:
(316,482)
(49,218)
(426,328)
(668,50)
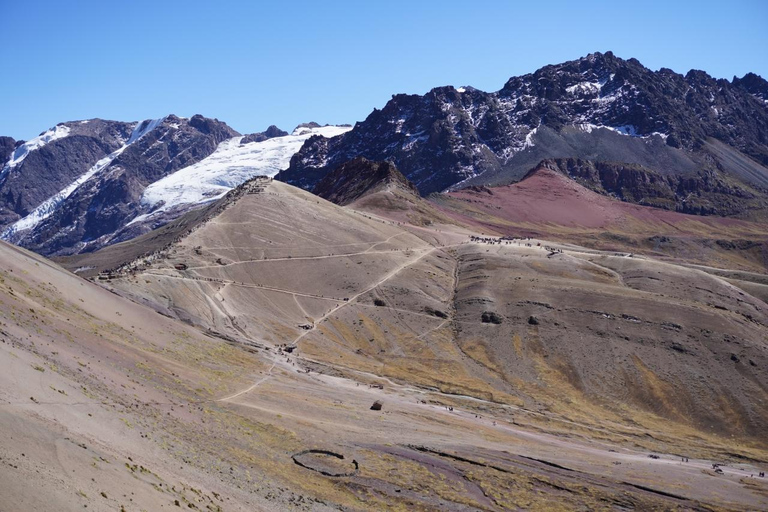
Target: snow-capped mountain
(85,184)
(599,108)
(233,163)
(689,143)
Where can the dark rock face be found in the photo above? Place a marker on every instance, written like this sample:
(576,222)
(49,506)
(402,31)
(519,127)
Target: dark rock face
(700,193)
(47,170)
(491,317)
(451,136)
(754,85)
(270,133)
(356,178)
(95,212)
(7,145)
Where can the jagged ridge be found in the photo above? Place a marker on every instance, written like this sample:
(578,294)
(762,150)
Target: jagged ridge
(449,135)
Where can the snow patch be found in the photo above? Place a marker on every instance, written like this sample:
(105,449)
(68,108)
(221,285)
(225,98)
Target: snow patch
(627,130)
(413,139)
(624,130)
(588,88)
(529,138)
(142,128)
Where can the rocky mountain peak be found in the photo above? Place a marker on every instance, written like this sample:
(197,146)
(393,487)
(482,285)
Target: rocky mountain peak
(7,146)
(452,137)
(360,177)
(274,131)
(76,184)
(270,133)
(754,85)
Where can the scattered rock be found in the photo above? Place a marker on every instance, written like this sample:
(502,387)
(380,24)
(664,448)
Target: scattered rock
(533,320)
(435,312)
(377,405)
(490,317)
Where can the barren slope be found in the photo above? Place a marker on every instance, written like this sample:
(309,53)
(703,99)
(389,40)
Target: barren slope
(330,308)
(550,204)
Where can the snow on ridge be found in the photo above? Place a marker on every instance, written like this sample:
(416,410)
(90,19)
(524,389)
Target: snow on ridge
(628,130)
(327,131)
(142,128)
(57,132)
(230,165)
(588,87)
(50,205)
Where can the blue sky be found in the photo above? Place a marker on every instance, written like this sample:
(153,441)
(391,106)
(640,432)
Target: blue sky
(253,63)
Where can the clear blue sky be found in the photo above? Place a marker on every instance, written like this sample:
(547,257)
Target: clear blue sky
(254,63)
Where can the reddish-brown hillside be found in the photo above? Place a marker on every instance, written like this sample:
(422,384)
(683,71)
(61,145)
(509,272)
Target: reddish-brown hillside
(548,203)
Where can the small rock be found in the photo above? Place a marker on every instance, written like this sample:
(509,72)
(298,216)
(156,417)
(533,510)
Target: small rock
(490,317)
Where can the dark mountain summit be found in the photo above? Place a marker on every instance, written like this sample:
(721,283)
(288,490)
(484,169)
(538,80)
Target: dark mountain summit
(108,164)
(688,143)
(7,145)
(598,108)
(271,132)
(360,177)
(754,85)
(41,167)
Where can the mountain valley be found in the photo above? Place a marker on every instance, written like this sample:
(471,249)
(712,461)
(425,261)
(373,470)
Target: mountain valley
(550,297)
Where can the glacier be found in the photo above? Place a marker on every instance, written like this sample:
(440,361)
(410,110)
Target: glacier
(230,165)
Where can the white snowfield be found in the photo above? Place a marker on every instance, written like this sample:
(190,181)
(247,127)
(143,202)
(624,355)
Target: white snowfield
(227,167)
(50,205)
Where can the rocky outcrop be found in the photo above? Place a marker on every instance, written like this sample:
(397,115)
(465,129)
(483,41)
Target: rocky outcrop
(119,161)
(37,174)
(7,145)
(701,193)
(754,85)
(270,133)
(360,177)
(600,107)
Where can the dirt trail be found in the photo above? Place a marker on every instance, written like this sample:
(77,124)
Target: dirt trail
(297,258)
(353,298)
(243,285)
(251,387)
(295,342)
